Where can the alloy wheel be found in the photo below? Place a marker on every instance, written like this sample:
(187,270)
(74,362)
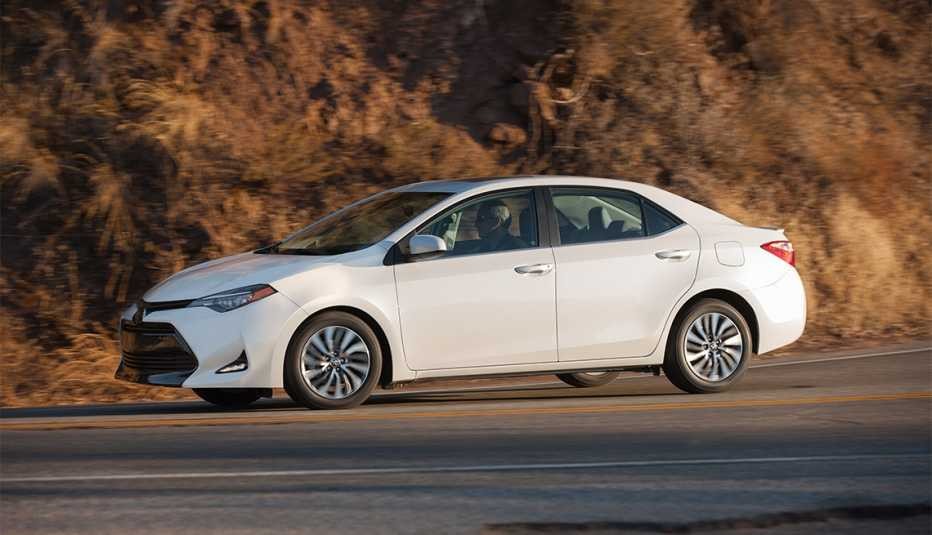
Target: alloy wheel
(335,362)
(713,347)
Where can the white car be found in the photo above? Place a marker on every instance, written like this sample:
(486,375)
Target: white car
(579,277)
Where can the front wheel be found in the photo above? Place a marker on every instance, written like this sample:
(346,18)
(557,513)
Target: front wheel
(334,362)
(710,348)
(588,379)
(230,398)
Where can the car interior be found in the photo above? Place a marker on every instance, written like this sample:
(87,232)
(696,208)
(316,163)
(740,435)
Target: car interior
(458,229)
(589,218)
(581,219)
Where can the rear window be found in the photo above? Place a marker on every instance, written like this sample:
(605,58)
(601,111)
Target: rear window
(658,221)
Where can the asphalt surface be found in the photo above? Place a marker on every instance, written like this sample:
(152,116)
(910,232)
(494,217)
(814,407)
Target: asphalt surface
(837,443)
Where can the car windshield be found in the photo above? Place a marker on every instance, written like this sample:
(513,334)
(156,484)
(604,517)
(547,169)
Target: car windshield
(359,225)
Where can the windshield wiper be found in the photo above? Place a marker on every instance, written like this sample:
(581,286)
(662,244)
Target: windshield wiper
(322,251)
(268,249)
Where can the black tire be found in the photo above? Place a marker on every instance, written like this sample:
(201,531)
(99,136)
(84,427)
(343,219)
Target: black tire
(676,365)
(299,389)
(230,398)
(588,379)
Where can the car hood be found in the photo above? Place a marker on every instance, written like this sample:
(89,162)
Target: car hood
(229,273)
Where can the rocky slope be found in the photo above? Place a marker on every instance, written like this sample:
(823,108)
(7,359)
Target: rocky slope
(140,137)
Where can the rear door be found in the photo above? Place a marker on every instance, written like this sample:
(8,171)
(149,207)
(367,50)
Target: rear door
(622,263)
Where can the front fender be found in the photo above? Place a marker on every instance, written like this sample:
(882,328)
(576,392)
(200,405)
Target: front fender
(387,320)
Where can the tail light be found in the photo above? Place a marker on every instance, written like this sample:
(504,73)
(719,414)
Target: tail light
(782,250)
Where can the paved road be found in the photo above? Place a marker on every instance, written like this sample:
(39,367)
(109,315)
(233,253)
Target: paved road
(831,443)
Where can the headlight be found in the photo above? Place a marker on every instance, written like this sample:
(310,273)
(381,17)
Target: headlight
(233,299)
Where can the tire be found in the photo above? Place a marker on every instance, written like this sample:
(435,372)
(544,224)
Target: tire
(230,398)
(709,372)
(588,379)
(337,377)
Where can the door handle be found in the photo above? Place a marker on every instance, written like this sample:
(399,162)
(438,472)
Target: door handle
(534,269)
(673,255)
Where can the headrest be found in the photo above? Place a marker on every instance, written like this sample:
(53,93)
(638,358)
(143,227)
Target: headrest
(526,225)
(598,218)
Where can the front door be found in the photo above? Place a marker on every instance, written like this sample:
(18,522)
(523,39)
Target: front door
(490,299)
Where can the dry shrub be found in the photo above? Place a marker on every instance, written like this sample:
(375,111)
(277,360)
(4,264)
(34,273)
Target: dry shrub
(137,138)
(426,148)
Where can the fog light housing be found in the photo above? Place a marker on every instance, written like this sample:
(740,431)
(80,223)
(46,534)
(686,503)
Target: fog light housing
(238,365)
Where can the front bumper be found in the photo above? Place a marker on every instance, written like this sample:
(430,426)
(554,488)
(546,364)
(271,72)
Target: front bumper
(211,339)
(154,353)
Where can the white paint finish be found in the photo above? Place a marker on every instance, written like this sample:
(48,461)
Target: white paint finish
(614,297)
(729,253)
(760,267)
(465,468)
(358,280)
(227,273)
(476,310)
(264,330)
(543,367)
(218,338)
(474,315)
(781,311)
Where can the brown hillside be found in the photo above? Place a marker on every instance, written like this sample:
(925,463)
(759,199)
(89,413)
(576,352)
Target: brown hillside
(140,137)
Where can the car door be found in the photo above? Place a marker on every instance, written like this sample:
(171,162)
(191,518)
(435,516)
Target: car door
(485,301)
(622,263)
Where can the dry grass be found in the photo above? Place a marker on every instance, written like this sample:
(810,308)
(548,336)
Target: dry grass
(137,138)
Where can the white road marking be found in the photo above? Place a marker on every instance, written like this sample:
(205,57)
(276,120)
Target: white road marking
(847,357)
(465,468)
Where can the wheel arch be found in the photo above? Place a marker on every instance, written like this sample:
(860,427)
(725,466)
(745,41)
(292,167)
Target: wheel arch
(386,377)
(733,299)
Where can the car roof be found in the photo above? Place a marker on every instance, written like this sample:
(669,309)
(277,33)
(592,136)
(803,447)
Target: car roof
(460,185)
(453,185)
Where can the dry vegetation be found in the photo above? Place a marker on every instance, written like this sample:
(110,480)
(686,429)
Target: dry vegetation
(140,137)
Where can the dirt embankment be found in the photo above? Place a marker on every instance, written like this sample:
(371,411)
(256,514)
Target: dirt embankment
(140,137)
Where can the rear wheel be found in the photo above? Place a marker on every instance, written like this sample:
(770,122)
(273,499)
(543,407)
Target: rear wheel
(709,349)
(230,398)
(334,362)
(588,379)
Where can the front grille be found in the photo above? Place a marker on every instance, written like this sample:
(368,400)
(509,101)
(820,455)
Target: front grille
(144,307)
(152,348)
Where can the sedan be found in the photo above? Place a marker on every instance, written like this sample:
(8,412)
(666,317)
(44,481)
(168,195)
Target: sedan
(579,277)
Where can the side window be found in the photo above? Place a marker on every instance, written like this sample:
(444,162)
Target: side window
(586,216)
(496,222)
(658,221)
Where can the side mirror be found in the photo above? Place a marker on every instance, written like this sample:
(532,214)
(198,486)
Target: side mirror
(422,245)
